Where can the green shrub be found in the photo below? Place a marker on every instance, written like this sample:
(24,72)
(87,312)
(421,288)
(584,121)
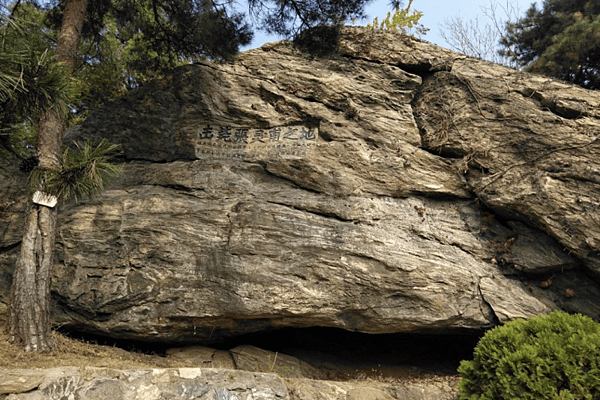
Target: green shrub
(555,356)
(401,21)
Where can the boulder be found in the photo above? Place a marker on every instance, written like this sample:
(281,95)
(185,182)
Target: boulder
(394,186)
(201,356)
(20,381)
(251,358)
(329,390)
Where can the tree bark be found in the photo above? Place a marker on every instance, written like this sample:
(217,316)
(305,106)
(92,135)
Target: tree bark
(29,319)
(29,315)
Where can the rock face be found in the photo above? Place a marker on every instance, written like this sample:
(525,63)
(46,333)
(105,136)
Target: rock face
(391,187)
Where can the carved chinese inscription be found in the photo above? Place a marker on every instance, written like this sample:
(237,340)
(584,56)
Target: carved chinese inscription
(236,143)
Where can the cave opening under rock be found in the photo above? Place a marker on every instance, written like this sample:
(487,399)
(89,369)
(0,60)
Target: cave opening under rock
(379,354)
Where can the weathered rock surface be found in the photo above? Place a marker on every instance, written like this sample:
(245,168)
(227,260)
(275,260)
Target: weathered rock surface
(247,358)
(204,357)
(251,358)
(208,384)
(393,187)
(20,381)
(181,383)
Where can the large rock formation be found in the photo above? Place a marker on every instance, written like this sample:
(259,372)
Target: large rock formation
(393,186)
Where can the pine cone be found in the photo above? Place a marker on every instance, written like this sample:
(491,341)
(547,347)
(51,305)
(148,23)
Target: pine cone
(547,283)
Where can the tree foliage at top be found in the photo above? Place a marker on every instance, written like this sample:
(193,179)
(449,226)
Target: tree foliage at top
(175,29)
(127,43)
(31,81)
(289,17)
(403,20)
(561,40)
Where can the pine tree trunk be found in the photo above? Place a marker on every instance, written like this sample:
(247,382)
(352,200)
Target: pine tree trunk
(29,318)
(29,315)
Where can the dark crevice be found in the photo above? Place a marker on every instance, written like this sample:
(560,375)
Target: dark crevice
(327,347)
(9,247)
(425,77)
(163,161)
(274,99)
(62,305)
(496,320)
(503,216)
(313,99)
(566,177)
(314,212)
(125,344)
(270,97)
(177,187)
(439,196)
(477,166)
(551,105)
(445,152)
(373,144)
(266,170)
(421,69)
(368,60)
(325,136)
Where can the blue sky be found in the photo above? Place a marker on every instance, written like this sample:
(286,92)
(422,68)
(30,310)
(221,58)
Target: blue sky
(434,14)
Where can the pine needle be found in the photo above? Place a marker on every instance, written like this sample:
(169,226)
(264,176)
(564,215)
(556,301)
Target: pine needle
(83,172)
